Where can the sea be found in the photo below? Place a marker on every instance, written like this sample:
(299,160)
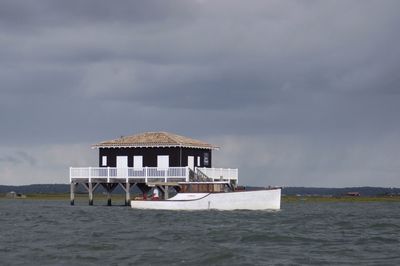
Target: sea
(51,232)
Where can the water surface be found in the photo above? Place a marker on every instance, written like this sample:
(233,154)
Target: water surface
(53,233)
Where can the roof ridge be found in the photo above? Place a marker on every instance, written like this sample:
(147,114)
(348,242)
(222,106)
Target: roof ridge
(173,137)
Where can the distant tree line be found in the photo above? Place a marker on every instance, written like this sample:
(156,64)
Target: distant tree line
(64,188)
(364,191)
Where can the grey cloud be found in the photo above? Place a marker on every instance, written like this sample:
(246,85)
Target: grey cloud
(17,158)
(10,159)
(83,71)
(31,14)
(26,157)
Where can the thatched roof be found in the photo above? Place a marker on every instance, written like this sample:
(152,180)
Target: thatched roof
(154,139)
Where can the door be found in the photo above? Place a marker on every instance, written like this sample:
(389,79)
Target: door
(122,166)
(163,161)
(191,162)
(138,162)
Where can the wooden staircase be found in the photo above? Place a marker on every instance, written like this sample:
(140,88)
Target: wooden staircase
(198,176)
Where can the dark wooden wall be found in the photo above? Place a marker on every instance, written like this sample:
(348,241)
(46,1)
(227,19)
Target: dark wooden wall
(176,154)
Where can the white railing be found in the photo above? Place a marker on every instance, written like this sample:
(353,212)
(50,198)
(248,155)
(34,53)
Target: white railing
(220,173)
(147,173)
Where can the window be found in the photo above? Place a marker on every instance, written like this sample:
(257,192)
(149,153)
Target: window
(198,160)
(206,159)
(104,161)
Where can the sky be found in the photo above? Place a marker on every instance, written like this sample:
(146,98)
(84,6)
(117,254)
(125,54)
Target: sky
(296,93)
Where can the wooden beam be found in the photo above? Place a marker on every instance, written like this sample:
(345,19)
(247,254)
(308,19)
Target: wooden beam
(161,188)
(113,186)
(109,187)
(95,186)
(86,186)
(152,184)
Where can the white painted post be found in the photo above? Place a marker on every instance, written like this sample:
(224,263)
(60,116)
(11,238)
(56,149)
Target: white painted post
(90,174)
(70,175)
(108,174)
(165,175)
(145,174)
(187,173)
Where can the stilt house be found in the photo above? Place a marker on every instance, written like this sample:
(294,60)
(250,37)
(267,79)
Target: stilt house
(146,160)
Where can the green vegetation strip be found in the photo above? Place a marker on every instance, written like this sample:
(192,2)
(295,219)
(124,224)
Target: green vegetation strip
(293,199)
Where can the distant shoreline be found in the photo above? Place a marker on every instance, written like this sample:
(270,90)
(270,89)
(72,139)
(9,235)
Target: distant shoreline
(383,198)
(287,191)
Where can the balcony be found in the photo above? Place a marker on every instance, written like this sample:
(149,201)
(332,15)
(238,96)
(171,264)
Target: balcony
(149,174)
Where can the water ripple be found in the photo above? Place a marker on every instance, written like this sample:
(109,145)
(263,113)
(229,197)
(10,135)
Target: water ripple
(53,233)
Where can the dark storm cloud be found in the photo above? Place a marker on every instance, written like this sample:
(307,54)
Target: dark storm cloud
(31,14)
(261,59)
(321,74)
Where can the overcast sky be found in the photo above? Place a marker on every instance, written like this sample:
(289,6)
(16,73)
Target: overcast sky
(297,93)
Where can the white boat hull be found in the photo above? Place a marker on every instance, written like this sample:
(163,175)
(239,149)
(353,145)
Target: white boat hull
(244,200)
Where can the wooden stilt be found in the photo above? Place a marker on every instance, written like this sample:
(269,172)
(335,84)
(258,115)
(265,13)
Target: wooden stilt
(108,194)
(86,186)
(166,196)
(90,190)
(72,193)
(127,188)
(109,187)
(127,194)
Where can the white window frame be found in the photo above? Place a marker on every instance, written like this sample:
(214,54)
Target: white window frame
(162,161)
(103,160)
(124,159)
(136,160)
